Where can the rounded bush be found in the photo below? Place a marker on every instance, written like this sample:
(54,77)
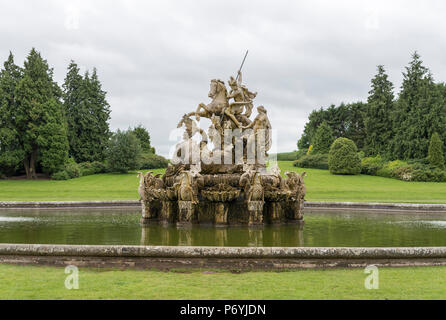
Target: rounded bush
(343,157)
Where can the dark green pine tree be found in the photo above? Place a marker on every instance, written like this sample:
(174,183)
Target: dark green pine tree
(11,152)
(378,115)
(420,111)
(40,121)
(101,111)
(435,152)
(73,101)
(323,138)
(88,113)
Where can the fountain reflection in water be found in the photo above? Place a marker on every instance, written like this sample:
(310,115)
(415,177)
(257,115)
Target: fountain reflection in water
(322,229)
(220,237)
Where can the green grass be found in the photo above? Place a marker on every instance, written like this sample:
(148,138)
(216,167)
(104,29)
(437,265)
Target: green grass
(321,186)
(26,282)
(108,186)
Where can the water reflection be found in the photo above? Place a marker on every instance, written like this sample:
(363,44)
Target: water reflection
(292,235)
(322,229)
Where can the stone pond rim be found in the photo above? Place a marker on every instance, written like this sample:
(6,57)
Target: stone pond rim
(225,258)
(309,205)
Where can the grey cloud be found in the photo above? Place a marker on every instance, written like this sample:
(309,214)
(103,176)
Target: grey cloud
(155,59)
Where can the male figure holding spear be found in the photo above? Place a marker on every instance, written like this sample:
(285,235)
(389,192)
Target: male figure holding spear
(242,98)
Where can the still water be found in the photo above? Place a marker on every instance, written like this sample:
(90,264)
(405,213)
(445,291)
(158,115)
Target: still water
(322,229)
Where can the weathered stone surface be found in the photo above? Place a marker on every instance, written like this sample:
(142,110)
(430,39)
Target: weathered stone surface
(68,204)
(237,265)
(223,252)
(352,206)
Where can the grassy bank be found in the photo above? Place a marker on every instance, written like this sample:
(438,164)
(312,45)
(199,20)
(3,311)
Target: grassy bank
(321,186)
(19,282)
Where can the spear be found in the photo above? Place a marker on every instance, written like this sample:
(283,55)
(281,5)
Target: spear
(243,62)
(236,79)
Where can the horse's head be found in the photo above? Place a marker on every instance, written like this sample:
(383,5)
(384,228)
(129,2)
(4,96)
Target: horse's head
(217,86)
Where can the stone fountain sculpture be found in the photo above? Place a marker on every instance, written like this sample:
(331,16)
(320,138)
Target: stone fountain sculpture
(223,178)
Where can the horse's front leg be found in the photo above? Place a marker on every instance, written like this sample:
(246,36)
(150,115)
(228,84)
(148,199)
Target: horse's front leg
(197,112)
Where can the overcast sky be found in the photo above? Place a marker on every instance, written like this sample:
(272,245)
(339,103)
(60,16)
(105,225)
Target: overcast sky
(156,58)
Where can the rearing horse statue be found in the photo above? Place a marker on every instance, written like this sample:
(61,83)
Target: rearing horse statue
(219,95)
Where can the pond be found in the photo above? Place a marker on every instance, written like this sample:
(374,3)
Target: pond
(322,229)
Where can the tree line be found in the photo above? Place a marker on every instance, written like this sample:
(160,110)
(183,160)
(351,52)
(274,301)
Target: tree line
(393,127)
(45,128)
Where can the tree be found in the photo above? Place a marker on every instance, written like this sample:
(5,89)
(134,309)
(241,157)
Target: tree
(88,113)
(144,138)
(378,115)
(323,138)
(11,152)
(39,118)
(74,97)
(435,153)
(101,111)
(419,113)
(123,153)
(343,157)
(345,120)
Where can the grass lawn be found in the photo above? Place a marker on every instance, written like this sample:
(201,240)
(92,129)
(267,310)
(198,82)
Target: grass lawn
(25,282)
(321,186)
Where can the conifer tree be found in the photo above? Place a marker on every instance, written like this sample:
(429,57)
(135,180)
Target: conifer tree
(435,153)
(378,115)
(88,113)
(40,121)
(101,111)
(72,96)
(323,138)
(420,112)
(11,152)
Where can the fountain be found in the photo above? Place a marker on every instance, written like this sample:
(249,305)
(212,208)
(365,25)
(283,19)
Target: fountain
(223,178)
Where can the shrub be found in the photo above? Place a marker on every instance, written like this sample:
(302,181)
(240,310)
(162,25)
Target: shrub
(371,165)
(287,156)
(61,175)
(315,161)
(90,168)
(404,173)
(343,157)
(390,169)
(72,169)
(415,170)
(99,167)
(123,152)
(427,173)
(152,161)
(435,153)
